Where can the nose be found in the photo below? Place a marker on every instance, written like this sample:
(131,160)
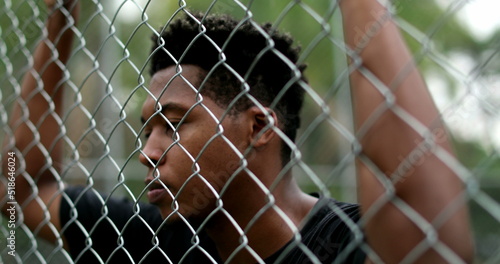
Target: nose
(152,155)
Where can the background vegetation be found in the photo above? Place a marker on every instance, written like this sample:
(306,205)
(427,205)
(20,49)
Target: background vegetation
(109,74)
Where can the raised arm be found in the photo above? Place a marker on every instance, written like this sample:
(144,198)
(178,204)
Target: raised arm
(392,143)
(41,87)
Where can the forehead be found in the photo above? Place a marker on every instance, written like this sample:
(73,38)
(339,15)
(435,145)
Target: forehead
(178,87)
(174,84)
(176,80)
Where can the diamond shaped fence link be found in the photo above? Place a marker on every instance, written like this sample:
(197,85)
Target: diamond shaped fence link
(106,81)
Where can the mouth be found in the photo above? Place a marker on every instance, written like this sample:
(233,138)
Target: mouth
(156,191)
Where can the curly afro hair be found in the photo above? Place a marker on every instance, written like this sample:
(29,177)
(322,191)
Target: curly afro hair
(225,48)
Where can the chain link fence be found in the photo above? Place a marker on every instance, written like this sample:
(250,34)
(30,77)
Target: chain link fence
(106,82)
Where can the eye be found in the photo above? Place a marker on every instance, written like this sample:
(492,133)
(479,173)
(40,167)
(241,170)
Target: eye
(172,126)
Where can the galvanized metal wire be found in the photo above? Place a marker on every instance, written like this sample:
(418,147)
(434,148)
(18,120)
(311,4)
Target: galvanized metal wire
(106,81)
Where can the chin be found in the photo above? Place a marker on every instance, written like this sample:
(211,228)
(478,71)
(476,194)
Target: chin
(185,213)
(170,217)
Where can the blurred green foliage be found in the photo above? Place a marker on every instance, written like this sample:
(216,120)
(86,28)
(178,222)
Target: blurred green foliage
(118,34)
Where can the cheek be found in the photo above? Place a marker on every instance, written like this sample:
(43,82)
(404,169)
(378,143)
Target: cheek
(215,159)
(193,154)
(218,163)
(196,199)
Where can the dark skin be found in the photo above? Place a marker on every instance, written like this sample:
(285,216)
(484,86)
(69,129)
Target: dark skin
(428,189)
(389,136)
(37,106)
(199,126)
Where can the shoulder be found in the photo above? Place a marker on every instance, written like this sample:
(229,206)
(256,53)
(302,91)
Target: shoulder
(329,210)
(78,201)
(330,233)
(96,225)
(331,218)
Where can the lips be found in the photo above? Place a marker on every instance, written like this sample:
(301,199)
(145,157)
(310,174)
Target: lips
(156,191)
(155,195)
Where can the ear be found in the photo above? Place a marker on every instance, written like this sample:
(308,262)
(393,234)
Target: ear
(263,121)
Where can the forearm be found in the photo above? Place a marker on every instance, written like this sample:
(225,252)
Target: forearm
(34,117)
(37,132)
(389,138)
(370,31)
(42,95)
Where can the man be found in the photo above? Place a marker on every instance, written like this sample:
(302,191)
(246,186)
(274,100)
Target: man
(219,127)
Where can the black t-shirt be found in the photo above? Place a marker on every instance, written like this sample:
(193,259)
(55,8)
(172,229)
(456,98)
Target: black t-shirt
(101,230)
(329,234)
(118,233)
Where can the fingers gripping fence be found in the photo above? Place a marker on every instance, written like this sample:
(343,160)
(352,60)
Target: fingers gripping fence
(79,117)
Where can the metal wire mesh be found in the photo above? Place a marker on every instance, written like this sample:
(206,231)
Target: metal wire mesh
(106,82)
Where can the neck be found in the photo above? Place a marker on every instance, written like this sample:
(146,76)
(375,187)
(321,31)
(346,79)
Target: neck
(251,223)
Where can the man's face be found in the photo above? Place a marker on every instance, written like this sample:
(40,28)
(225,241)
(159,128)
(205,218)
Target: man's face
(188,157)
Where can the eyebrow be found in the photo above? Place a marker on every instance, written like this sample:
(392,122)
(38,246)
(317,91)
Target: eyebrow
(169,107)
